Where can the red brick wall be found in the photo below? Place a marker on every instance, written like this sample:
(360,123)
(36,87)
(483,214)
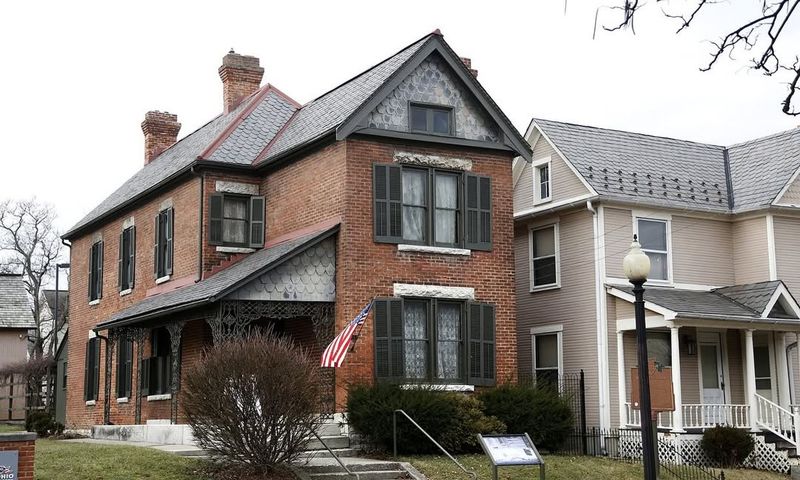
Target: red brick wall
(83,317)
(27,451)
(366,269)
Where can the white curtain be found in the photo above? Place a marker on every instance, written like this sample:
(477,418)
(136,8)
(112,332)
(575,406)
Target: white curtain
(448,328)
(415,332)
(414,203)
(446,205)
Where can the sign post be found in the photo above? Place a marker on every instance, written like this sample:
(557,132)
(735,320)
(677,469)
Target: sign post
(511,450)
(661,395)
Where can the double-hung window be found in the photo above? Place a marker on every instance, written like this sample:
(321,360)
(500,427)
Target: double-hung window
(544,257)
(236,220)
(127,258)
(91,376)
(163,247)
(653,237)
(434,341)
(124,368)
(547,354)
(157,369)
(542,181)
(96,271)
(435,119)
(429,206)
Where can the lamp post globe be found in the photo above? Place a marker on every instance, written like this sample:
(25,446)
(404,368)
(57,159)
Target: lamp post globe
(636,266)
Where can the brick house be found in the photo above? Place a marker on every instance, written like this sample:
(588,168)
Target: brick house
(394,187)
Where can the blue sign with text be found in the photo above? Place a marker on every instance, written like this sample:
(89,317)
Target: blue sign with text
(9,461)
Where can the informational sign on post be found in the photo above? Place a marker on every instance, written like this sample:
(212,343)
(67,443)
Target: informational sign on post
(9,463)
(511,450)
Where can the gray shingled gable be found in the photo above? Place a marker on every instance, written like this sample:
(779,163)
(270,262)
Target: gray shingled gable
(754,296)
(208,289)
(15,310)
(322,115)
(760,168)
(677,173)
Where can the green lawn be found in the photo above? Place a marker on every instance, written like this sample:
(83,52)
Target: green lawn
(56,460)
(558,468)
(11,427)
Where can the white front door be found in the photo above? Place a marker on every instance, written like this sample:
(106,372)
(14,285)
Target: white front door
(711,376)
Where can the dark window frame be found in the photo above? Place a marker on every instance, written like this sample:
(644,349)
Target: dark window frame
(96,254)
(556,256)
(429,109)
(158,377)
(91,378)
(429,227)
(163,250)
(246,220)
(127,259)
(124,368)
(254,220)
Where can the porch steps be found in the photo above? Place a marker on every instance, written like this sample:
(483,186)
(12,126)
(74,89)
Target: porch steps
(329,469)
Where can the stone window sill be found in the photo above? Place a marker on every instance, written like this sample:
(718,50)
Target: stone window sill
(156,398)
(440,387)
(163,279)
(122,400)
(127,291)
(91,403)
(94,302)
(224,249)
(430,249)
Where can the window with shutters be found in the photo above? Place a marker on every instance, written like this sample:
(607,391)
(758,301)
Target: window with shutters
(427,206)
(163,246)
(236,220)
(96,271)
(434,341)
(156,370)
(127,260)
(124,368)
(91,378)
(544,255)
(547,356)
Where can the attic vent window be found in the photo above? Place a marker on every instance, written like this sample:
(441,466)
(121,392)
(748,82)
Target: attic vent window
(431,119)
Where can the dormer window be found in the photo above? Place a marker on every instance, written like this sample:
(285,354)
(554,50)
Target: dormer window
(542,181)
(431,119)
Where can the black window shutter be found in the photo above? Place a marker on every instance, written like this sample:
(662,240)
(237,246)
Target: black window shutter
(157,238)
(388,317)
(86,366)
(121,264)
(257,222)
(100,255)
(481,344)
(169,230)
(387,191)
(121,369)
(144,377)
(132,261)
(96,373)
(91,272)
(478,213)
(215,219)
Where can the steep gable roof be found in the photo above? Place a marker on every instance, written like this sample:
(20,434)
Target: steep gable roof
(662,171)
(15,311)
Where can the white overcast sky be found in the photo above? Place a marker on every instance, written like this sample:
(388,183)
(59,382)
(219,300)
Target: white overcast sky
(78,77)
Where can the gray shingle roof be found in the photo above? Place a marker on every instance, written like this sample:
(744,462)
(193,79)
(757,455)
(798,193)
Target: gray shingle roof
(760,168)
(327,112)
(15,310)
(63,297)
(747,301)
(677,173)
(209,288)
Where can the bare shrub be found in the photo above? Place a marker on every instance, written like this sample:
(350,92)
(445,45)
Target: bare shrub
(253,401)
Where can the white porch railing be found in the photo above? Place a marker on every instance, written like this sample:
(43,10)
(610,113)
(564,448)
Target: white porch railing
(698,416)
(776,419)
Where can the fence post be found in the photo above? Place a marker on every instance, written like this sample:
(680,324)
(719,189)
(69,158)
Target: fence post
(11,397)
(583,413)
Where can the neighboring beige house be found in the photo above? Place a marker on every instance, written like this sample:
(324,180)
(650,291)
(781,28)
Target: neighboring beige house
(722,228)
(16,319)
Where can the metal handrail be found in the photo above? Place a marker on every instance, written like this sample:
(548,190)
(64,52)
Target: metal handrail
(472,474)
(336,457)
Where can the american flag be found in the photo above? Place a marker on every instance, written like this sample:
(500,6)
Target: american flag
(334,354)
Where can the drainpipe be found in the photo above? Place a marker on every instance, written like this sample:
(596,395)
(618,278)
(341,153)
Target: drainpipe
(602,333)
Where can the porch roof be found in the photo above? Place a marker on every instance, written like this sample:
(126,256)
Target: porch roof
(749,302)
(211,289)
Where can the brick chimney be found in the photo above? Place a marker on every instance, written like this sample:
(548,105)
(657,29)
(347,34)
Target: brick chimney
(160,132)
(241,75)
(468,64)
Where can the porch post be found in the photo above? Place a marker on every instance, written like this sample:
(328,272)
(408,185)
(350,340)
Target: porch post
(621,388)
(175,330)
(782,371)
(750,380)
(677,415)
(110,344)
(138,336)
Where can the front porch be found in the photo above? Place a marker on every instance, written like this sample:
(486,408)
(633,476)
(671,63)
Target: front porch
(726,368)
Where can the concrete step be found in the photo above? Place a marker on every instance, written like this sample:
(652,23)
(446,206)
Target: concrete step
(332,442)
(340,452)
(330,429)
(354,467)
(365,475)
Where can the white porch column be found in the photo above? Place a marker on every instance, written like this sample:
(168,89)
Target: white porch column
(750,377)
(623,394)
(781,370)
(677,415)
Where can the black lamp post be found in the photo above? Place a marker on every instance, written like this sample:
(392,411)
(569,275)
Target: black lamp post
(637,267)
(54,333)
